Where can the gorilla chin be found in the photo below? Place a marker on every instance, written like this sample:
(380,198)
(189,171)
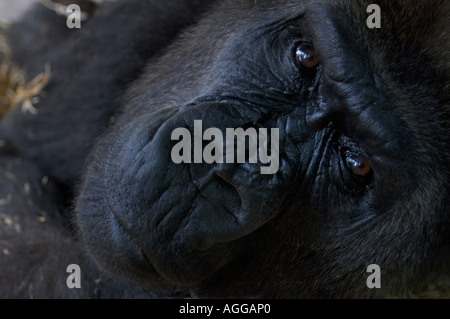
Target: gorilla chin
(357,182)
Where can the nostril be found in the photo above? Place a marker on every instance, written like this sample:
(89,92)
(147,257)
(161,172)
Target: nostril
(232,200)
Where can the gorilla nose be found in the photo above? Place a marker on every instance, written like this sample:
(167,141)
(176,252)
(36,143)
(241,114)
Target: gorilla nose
(192,214)
(217,203)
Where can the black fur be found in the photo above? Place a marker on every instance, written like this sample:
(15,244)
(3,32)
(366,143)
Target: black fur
(163,230)
(118,41)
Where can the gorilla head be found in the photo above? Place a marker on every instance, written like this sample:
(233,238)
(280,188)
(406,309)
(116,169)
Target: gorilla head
(363,118)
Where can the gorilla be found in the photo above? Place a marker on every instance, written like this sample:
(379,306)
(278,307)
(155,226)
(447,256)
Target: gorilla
(362,113)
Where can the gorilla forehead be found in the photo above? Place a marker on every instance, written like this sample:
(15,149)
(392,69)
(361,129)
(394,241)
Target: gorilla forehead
(414,24)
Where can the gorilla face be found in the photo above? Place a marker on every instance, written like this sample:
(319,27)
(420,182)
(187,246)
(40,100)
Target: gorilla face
(363,116)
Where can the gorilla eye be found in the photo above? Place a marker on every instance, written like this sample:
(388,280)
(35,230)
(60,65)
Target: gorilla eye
(357,164)
(306,56)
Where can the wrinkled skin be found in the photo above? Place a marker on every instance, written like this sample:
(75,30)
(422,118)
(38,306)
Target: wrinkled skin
(311,229)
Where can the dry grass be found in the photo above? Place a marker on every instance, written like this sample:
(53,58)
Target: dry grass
(438,290)
(15,89)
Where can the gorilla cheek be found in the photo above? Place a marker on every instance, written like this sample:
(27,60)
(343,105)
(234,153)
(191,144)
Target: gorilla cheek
(188,219)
